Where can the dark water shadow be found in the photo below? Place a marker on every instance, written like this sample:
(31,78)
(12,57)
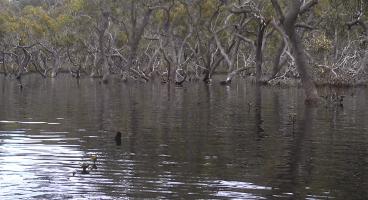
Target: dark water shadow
(258,112)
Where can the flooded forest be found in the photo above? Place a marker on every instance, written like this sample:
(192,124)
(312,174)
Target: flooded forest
(188,99)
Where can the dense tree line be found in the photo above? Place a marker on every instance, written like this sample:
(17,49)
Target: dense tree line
(314,41)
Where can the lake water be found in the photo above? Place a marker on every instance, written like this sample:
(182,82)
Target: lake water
(194,142)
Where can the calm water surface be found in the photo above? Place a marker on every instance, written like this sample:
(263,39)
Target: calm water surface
(198,141)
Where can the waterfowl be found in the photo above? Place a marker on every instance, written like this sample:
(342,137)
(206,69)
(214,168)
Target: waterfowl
(84,168)
(292,117)
(94,159)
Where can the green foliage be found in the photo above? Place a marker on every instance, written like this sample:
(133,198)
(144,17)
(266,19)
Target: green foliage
(77,5)
(319,43)
(178,13)
(208,8)
(8,24)
(121,39)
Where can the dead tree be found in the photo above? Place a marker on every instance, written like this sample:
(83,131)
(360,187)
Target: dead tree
(250,12)
(136,32)
(206,55)
(78,64)
(39,62)
(22,58)
(172,47)
(48,53)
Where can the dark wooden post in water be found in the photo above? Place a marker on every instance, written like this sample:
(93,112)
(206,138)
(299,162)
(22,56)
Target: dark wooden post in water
(118,138)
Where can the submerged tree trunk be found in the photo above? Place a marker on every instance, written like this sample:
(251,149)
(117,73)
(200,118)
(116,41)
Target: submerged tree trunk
(23,64)
(301,62)
(56,64)
(94,70)
(277,63)
(288,22)
(207,62)
(259,54)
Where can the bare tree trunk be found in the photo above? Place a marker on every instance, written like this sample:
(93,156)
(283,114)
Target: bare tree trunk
(22,66)
(301,62)
(288,22)
(259,54)
(56,64)
(4,60)
(277,60)
(136,35)
(37,64)
(94,70)
(207,76)
(207,71)
(102,62)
